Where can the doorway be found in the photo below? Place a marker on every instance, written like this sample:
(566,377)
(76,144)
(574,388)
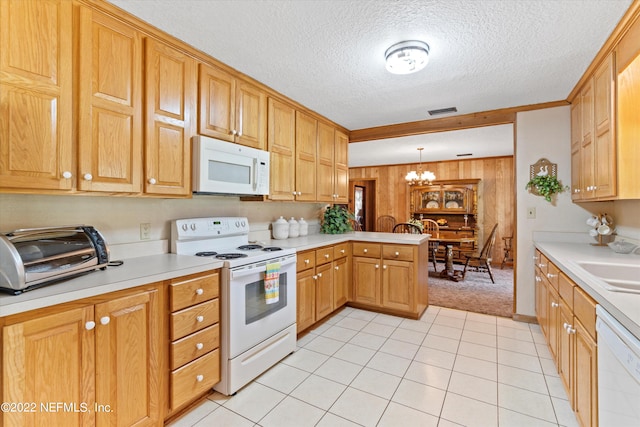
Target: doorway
(362,202)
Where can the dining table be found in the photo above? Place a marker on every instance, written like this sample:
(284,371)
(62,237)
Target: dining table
(449,272)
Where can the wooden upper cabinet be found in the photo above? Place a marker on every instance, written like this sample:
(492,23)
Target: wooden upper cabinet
(110,104)
(341,167)
(231,109)
(171,95)
(36,94)
(306,143)
(576,142)
(628,111)
(251,115)
(324,163)
(282,145)
(217,103)
(604,174)
(587,152)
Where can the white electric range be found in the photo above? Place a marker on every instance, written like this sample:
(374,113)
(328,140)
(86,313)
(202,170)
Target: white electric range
(256,332)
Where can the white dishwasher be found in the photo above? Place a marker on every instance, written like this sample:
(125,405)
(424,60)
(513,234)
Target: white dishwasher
(618,373)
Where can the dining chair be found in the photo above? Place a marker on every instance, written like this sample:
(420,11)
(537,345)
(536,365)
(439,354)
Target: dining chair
(386,223)
(482,261)
(431,227)
(407,227)
(507,257)
(355,224)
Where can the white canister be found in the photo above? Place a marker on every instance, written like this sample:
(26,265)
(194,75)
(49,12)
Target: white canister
(280,229)
(304,227)
(294,228)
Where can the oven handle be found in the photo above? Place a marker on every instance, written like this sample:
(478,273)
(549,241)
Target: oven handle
(260,267)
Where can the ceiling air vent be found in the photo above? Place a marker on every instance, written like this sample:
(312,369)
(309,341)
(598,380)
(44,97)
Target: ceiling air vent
(443,111)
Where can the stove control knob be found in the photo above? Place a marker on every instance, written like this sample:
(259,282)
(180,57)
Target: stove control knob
(193,226)
(184,227)
(244,224)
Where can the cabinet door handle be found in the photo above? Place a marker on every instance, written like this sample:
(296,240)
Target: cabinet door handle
(90,325)
(199,346)
(551,276)
(554,304)
(541,265)
(365,250)
(67,175)
(377,266)
(397,254)
(200,378)
(319,274)
(306,261)
(199,291)
(105,320)
(200,319)
(570,330)
(326,256)
(234,132)
(152,181)
(384,267)
(342,251)
(538,279)
(88,177)
(315,277)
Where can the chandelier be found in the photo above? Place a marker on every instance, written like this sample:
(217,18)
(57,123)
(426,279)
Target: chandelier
(420,177)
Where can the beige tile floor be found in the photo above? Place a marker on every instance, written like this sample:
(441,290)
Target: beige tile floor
(361,368)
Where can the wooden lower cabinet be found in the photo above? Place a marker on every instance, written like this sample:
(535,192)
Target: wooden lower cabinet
(390,278)
(102,361)
(322,283)
(194,329)
(567,318)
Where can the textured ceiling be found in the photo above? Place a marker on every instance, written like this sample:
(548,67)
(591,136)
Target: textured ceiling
(329,54)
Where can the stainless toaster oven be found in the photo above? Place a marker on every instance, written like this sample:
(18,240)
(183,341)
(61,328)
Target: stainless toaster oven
(30,258)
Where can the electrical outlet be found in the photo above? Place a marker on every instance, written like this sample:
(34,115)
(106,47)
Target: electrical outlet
(145,231)
(531,213)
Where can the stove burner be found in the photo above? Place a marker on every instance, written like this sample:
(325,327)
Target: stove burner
(231,256)
(249,247)
(272,249)
(206,253)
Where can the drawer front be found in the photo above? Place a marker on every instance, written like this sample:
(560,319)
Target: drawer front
(191,292)
(195,378)
(371,250)
(305,260)
(341,250)
(553,273)
(324,255)
(565,288)
(398,252)
(195,345)
(543,264)
(584,308)
(192,319)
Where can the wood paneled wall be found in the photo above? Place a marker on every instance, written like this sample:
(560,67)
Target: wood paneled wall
(496,192)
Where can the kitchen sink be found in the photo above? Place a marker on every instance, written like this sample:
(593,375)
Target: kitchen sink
(617,277)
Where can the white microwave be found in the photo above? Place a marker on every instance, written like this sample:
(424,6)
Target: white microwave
(221,167)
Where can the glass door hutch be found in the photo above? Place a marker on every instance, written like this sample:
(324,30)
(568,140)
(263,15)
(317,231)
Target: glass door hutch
(453,204)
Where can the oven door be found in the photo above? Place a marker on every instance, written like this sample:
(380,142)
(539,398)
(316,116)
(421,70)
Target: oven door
(251,319)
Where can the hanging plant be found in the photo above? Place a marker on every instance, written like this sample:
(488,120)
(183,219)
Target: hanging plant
(336,220)
(546,186)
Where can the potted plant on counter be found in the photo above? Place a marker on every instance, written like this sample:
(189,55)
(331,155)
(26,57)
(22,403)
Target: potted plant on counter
(336,220)
(546,186)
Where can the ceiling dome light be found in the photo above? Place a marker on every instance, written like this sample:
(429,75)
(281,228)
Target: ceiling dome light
(407,57)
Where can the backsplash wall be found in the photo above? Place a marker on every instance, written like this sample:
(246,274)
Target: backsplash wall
(119,218)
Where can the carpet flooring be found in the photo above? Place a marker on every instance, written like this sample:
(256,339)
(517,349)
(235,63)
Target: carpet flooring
(476,293)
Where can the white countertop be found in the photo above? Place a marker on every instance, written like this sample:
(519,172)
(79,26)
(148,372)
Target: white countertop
(625,307)
(134,272)
(154,268)
(317,240)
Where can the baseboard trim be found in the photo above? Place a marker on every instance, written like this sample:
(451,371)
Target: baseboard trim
(525,319)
